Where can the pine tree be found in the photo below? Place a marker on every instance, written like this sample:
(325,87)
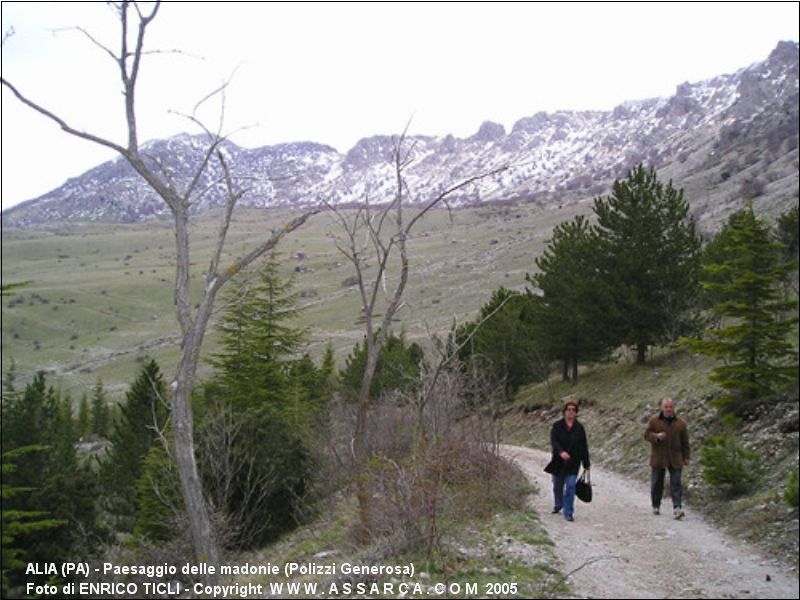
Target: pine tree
(397,371)
(788,234)
(329,377)
(158,496)
(57,484)
(649,259)
(792,493)
(499,342)
(67,425)
(257,337)
(83,424)
(311,386)
(100,413)
(16,522)
(29,419)
(143,416)
(728,465)
(754,341)
(717,250)
(259,415)
(571,310)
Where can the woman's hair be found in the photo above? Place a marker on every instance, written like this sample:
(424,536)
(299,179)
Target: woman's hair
(568,403)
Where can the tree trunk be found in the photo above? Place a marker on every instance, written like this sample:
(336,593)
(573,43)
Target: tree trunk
(360,444)
(193,328)
(641,354)
(383,244)
(199,522)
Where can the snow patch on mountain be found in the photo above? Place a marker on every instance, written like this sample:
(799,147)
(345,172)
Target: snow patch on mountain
(546,153)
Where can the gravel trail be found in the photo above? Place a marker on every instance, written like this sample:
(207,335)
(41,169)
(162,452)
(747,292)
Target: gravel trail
(616,547)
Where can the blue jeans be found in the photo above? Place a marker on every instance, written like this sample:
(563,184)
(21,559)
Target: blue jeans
(564,493)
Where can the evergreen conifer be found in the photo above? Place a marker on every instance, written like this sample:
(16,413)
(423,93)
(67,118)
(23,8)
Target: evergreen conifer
(500,342)
(17,522)
(571,304)
(260,412)
(100,412)
(83,425)
(397,371)
(752,338)
(649,260)
(56,482)
(143,416)
(258,339)
(158,496)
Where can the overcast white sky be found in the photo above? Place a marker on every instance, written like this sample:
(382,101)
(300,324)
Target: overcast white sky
(335,73)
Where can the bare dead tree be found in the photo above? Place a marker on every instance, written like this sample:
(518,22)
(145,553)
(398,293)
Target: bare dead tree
(233,473)
(134,19)
(380,233)
(446,357)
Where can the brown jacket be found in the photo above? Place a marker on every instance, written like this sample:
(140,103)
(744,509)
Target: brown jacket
(673,451)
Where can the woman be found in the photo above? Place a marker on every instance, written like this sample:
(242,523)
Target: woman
(570,449)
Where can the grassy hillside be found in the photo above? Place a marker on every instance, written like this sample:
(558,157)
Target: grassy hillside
(100,297)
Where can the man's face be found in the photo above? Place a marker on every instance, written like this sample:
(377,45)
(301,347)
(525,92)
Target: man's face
(668,407)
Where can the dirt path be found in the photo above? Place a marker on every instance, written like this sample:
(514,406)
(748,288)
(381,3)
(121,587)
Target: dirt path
(619,549)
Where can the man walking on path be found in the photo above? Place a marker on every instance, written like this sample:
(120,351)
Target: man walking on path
(669,449)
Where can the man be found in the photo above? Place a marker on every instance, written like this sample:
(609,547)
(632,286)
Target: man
(669,449)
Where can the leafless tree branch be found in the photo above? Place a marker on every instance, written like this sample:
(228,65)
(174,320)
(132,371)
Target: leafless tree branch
(193,321)
(386,234)
(60,122)
(91,38)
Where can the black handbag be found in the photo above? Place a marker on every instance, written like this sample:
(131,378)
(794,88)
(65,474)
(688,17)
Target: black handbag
(583,487)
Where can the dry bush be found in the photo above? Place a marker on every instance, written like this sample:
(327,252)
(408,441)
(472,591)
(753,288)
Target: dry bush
(391,432)
(436,464)
(480,480)
(433,463)
(235,477)
(177,551)
(412,501)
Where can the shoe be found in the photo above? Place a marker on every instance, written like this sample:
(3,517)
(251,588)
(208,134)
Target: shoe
(678,513)
(569,518)
(656,510)
(556,510)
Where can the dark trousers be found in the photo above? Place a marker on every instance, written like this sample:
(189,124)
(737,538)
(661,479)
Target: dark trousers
(657,486)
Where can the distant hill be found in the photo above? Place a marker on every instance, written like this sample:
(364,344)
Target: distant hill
(724,139)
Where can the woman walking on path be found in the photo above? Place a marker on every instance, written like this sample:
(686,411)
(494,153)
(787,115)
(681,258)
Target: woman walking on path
(570,450)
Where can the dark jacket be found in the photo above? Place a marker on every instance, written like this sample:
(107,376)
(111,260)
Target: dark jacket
(573,441)
(673,451)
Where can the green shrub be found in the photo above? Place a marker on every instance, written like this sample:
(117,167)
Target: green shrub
(792,493)
(728,466)
(159,502)
(397,371)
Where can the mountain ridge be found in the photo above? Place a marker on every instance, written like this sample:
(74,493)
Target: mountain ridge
(708,125)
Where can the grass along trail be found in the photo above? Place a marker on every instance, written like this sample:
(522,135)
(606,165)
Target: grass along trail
(616,547)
